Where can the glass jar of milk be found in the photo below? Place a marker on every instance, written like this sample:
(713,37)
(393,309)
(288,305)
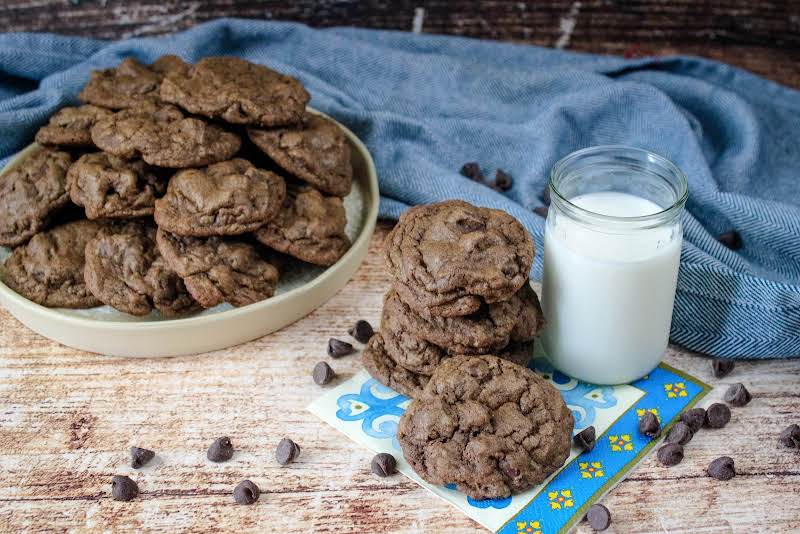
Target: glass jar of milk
(612,247)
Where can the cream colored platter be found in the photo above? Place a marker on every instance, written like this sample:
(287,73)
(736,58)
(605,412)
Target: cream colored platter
(301,289)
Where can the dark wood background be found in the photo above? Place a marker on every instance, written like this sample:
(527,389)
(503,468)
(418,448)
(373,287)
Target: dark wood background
(763,37)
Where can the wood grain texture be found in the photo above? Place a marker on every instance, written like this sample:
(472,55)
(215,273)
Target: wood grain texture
(758,35)
(67,419)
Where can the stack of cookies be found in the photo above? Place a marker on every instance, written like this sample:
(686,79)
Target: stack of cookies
(175,187)
(460,287)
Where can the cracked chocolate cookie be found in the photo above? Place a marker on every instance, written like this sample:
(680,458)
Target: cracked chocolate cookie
(48,269)
(450,257)
(316,151)
(130,83)
(217,270)
(388,372)
(114,188)
(228,198)
(161,135)
(310,226)
(488,426)
(71,126)
(236,91)
(485,331)
(125,270)
(31,194)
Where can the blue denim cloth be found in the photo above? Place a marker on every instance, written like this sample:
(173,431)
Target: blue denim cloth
(424,105)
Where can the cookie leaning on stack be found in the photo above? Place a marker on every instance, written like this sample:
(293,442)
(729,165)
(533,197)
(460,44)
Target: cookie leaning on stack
(183,214)
(460,286)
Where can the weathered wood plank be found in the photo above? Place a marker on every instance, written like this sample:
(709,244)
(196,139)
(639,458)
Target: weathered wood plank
(67,419)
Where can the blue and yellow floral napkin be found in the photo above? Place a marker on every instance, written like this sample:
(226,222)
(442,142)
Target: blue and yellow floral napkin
(368,413)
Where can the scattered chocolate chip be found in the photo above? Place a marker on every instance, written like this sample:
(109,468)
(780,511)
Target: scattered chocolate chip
(509,470)
(599,517)
(472,171)
(221,450)
(680,433)
(670,454)
(541,211)
(362,331)
(123,488)
(717,415)
(546,195)
(338,348)
(737,395)
(649,425)
(246,492)
(791,436)
(722,368)
(694,418)
(383,464)
(287,451)
(140,457)
(503,180)
(722,468)
(731,239)
(585,439)
(322,373)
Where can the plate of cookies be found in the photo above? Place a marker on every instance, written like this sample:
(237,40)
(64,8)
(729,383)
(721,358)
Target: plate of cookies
(182,208)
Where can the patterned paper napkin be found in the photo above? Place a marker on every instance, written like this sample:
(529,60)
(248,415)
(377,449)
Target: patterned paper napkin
(368,412)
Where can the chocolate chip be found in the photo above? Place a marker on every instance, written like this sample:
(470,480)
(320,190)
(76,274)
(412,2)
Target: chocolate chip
(123,488)
(649,425)
(338,348)
(737,395)
(246,492)
(362,331)
(287,451)
(694,418)
(680,433)
(221,450)
(717,415)
(541,211)
(140,457)
(585,439)
(383,464)
(509,470)
(790,437)
(546,195)
(670,454)
(722,468)
(731,239)
(503,180)
(599,517)
(472,171)
(722,368)
(322,373)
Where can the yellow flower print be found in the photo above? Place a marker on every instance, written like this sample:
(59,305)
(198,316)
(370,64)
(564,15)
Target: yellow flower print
(640,412)
(560,499)
(591,469)
(678,389)
(529,527)
(621,443)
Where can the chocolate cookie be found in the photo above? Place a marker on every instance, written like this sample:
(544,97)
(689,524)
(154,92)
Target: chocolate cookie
(163,136)
(310,226)
(217,270)
(486,331)
(228,198)
(487,425)
(111,187)
(315,151)
(236,91)
(71,126)
(388,372)
(49,268)
(125,270)
(31,194)
(451,256)
(130,83)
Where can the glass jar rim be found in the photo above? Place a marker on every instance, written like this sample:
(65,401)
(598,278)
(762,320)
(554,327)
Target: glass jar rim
(620,152)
